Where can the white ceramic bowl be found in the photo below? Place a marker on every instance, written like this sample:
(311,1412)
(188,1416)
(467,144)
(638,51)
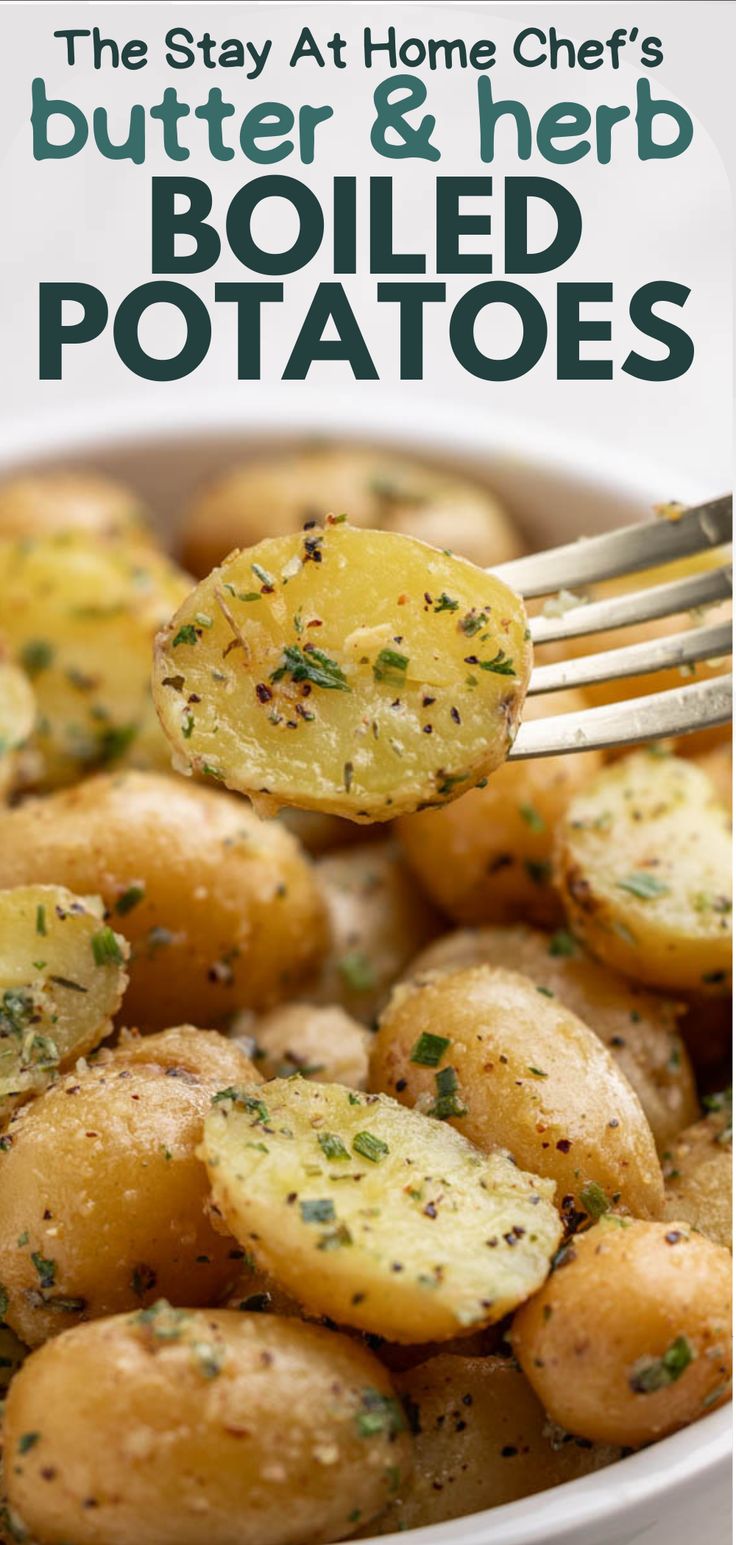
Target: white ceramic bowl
(678,1491)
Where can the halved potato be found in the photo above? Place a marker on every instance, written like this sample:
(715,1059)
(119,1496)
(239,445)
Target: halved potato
(644,865)
(281,491)
(513,1069)
(356,672)
(640,1028)
(698,1172)
(17,718)
(375,1215)
(62,979)
(79,614)
(319,1042)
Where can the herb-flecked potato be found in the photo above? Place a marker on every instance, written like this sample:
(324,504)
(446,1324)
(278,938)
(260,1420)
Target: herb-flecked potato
(373,1215)
(280,492)
(103,1203)
(360,673)
(487,858)
(644,866)
(640,1028)
(17,718)
(62,978)
(514,1069)
(222,911)
(378,919)
(698,1172)
(630,1338)
(481,1439)
(79,615)
(168,1426)
(317,1041)
(53,503)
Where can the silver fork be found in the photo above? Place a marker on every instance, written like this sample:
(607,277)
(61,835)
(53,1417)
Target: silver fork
(679,711)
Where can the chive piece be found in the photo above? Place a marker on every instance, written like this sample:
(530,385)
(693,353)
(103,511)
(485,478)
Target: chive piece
(357,971)
(537,1072)
(380,1414)
(447,1102)
(321,1210)
(534,820)
(546,992)
(264,576)
(501,664)
(46,1269)
(562,943)
(27,1440)
(248,1102)
(650,1374)
(445,603)
(594,1199)
(335,1239)
(391,667)
(429,1050)
(129,899)
(313,665)
(332,1146)
(36,656)
(105,948)
(472,622)
(41,920)
(643,885)
(186,635)
(370,1147)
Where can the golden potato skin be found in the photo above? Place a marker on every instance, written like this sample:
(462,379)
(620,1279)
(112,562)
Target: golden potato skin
(481,1439)
(101,1183)
(49,503)
(644,866)
(487,857)
(531,1079)
(165,1429)
(281,491)
(358,673)
(698,1172)
(221,910)
(628,1296)
(320,1042)
(640,1028)
(378,919)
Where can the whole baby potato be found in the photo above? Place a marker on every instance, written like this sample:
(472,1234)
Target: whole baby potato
(79,614)
(487,858)
(49,503)
(170,1426)
(698,1172)
(640,1028)
(320,1042)
(221,910)
(357,673)
(103,1204)
(378,919)
(481,1439)
(630,1338)
(644,866)
(512,1068)
(281,491)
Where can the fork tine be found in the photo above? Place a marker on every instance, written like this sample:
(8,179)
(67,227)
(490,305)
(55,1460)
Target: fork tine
(678,712)
(625,551)
(709,643)
(682,595)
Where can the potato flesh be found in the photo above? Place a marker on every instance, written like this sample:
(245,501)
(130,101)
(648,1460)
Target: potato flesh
(79,615)
(416,1243)
(638,1027)
(531,1079)
(414,710)
(644,865)
(57,1000)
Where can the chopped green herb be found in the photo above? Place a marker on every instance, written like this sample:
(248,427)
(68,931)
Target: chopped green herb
(650,1374)
(209,1358)
(46,1269)
(447,1102)
(370,1147)
(357,971)
(472,622)
(248,1102)
(644,885)
(533,819)
(332,1146)
(41,920)
(562,943)
(501,664)
(27,1440)
(129,899)
(391,667)
(264,576)
(36,656)
(4,1301)
(380,1414)
(594,1199)
(538,1072)
(322,1210)
(445,603)
(105,948)
(310,664)
(186,635)
(429,1050)
(546,992)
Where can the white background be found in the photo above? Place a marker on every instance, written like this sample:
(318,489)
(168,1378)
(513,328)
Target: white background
(88,219)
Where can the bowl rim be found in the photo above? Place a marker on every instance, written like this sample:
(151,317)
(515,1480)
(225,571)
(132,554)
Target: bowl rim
(697,1452)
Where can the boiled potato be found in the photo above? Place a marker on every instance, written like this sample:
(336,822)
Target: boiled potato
(481,1439)
(512,1068)
(374,1215)
(62,978)
(630,1338)
(323,1043)
(378,920)
(282,491)
(79,615)
(487,858)
(17,718)
(717,764)
(698,1173)
(169,1426)
(103,1203)
(221,910)
(638,1027)
(41,504)
(644,865)
(359,673)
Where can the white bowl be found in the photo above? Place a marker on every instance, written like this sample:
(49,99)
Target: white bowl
(678,1491)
